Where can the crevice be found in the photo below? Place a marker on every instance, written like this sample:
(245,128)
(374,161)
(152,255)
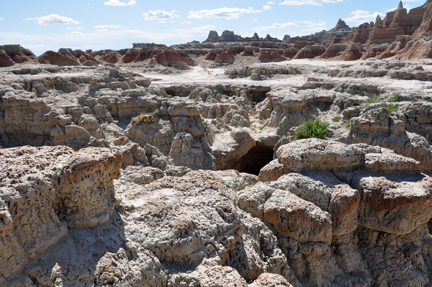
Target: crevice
(259,95)
(252,162)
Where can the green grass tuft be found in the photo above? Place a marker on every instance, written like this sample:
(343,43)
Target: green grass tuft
(372,100)
(391,108)
(395,98)
(311,129)
(347,124)
(336,120)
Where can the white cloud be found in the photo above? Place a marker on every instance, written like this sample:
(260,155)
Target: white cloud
(275,26)
(77,33)
(314,27)
(219,13)
(53,19)
(301,2)
(160,15)
(186,22)
(75,28)
(360,16)
(1,19)
(118,3)
(108,27)
(319,24)
(270,2)
(205,28)
(266,7)
(310,26)
(308,2)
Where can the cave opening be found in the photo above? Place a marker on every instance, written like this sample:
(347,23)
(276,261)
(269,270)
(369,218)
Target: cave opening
(252,162)
(259,95)
(170,91)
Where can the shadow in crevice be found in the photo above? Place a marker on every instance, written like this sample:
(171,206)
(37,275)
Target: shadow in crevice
(252,162)
(75,257)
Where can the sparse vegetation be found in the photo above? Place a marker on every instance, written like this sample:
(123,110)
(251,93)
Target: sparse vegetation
(311,129)
(390,107)
(336,120)
(144,117)
(372,100)
(395,97)
(261,128)
(261,121)
(347,124)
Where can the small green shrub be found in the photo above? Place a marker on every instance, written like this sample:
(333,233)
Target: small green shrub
(261,121)
(347,124)
(156,111)
(395,98)
(429,100)
(372,100)
(311,129)
(336,120)
(391,108)
(261,128)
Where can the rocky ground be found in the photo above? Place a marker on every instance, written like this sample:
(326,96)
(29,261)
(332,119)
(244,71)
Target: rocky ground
(177,166)
(142,174)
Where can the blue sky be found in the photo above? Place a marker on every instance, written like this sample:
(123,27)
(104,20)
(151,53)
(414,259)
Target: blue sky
(115,24)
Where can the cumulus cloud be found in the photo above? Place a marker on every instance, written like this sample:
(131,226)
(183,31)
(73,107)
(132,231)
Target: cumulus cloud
(118,3)
(186,22)
(1,19)
(267,6)
(219,13)
(53,19)
(360,16)
(160,15)
(108,27)
(308,2)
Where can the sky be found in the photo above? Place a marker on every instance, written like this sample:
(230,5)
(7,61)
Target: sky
(115,24)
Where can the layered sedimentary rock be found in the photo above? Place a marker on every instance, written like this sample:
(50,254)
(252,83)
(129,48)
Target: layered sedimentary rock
(15,54)
(54,190)
(141,195)
(309,222)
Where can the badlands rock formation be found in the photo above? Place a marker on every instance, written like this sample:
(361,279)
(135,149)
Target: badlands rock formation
(177,166)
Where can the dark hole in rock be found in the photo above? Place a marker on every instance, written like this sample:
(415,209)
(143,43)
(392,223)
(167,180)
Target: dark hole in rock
(170,91)
(259,95)
(430,226)
(254,160)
